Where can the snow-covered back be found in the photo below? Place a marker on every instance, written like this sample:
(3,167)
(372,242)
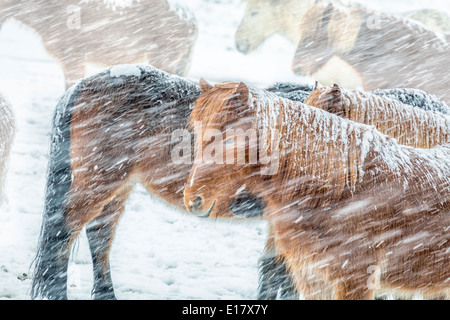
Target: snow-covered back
(125,70)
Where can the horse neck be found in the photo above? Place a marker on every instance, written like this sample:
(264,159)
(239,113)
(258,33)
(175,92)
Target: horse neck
(289,20)
(411,126)
(288,25)
(320,151)
(324,157)
(304,135)
(372,43)
(184,92)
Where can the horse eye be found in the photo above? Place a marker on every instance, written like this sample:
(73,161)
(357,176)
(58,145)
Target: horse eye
(254,13)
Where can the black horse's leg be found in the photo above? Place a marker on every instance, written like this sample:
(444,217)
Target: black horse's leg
(274,280)
(100,233)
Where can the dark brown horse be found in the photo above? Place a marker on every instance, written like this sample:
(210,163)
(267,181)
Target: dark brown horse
(109,131)
(79,32)
(352,211)
(386,51)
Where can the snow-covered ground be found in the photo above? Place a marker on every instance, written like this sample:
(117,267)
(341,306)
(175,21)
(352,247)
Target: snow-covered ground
(158,253)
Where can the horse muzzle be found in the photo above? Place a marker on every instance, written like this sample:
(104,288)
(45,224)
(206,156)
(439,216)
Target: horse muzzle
(299,71)
(195,208)
(243,47)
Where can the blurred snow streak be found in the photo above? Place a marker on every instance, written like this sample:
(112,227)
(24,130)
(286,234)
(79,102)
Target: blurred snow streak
(158,253)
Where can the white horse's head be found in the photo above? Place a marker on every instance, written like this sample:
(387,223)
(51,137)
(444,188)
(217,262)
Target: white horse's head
(264,18)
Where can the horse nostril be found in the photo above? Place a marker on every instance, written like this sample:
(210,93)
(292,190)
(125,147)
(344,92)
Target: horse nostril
(196,204)
(243,47)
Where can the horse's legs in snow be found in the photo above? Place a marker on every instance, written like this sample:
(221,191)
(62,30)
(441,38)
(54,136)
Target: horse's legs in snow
(274,279)
(100,233)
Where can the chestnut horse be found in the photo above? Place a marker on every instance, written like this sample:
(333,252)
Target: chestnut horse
(274,282)
(79,32)
(109,131)
(352,211)
(412,97)
(7,133)
(398,53)
(409,125)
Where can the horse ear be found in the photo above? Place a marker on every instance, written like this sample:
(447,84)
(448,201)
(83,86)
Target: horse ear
(204,85)
(327,14)
(317,86)
(243,91)
(336,89)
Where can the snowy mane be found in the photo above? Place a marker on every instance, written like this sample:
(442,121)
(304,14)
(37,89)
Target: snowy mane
(411,126)
(338,154)
(342,190)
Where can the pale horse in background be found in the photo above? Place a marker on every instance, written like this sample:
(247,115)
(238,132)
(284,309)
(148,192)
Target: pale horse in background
(265,18)
(76,33)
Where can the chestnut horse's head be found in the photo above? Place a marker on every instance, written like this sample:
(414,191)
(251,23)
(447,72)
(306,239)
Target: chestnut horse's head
(329,99)
(228,160)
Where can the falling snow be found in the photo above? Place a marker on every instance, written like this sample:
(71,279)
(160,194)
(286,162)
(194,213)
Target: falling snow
(160,252)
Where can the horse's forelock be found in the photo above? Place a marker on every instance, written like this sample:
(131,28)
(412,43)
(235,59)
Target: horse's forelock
(211,105)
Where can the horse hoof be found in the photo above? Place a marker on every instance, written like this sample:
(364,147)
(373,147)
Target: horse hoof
(104,296)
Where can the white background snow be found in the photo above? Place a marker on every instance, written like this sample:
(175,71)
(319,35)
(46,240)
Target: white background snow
(158,253)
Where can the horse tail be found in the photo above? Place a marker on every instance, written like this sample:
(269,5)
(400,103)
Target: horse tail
(50,264)
(7,134)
